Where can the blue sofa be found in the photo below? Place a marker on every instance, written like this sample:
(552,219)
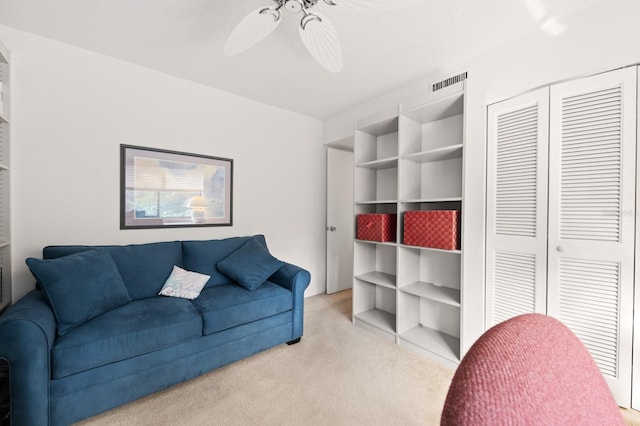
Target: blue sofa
(138,342)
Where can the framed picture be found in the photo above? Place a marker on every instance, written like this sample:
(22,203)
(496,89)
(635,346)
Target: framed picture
(163,189)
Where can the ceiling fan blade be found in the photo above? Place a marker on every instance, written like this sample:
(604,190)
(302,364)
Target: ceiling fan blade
(321,40)
(382,5)
(253,28)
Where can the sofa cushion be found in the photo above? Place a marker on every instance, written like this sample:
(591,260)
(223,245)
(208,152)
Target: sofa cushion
(250,265)
(203,256)
(137,328)
(80,286)
(185,284)
(229,305)
(143,267)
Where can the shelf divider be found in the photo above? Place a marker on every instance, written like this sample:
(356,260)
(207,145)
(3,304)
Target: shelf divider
(438,154)
(441,294)
(384,163)
(379,278)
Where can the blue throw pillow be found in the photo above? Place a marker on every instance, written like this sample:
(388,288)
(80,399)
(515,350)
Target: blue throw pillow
(250,265)
(80,286)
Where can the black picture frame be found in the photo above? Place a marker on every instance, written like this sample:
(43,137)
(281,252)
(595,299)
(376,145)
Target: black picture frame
(162,188)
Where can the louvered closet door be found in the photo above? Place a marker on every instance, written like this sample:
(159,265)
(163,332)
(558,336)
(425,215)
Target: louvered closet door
(517,206)
(591,220)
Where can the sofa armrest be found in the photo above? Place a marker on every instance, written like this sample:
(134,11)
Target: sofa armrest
(296,280)
(27,333)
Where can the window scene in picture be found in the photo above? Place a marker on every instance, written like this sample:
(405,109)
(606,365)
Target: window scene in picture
(164,189)
(172,190)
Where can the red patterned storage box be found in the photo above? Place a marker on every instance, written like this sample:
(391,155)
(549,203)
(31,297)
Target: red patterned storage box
(377,227)
(432,228)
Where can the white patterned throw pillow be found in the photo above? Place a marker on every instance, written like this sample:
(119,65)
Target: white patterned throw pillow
(185,284)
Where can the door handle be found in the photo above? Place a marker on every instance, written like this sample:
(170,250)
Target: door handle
(331,228)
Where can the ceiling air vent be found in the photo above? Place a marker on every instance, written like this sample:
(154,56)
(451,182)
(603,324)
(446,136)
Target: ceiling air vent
(449,81)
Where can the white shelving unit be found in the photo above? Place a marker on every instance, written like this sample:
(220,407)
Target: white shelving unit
(5,169)
(376,191)
(411,160)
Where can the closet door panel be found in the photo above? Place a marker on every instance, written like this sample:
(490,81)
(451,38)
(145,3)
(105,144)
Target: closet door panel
(517,206)
(591,224)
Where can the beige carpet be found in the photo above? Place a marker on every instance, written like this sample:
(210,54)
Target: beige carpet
(339,374)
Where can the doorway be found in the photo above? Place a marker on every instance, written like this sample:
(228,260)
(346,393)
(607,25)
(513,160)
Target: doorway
(340,220)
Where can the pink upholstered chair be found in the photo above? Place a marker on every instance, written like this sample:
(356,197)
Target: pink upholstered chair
(529,370)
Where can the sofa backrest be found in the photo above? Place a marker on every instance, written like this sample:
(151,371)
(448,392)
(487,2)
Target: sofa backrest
(144,267)
(203,256)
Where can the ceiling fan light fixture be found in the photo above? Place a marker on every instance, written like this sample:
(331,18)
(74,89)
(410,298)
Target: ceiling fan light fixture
(253,28)
(316,31)
(294,6)
(321,40)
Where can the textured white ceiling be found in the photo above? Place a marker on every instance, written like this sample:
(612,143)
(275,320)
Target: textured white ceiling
(382,50)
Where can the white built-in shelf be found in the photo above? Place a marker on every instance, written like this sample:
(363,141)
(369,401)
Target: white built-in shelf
(377,202)
(384,163)
(389,243)
(431,249)
(372,202)
(378,126)
(411,159)
(380,319)
(437,110)
(379,278)
(435,341)
(5,194)
(441,294)
(437,154)
(432,200)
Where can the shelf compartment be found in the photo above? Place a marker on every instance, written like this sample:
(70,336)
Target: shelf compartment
(437,110)
(437,154)
(377,141)
(379,125)
(376,185)
(378,278)
(430,273)
(375,305)
(374,257)
(429,324)
(379,319)
(441,294)
(434,341)
(430,180)
(428,137)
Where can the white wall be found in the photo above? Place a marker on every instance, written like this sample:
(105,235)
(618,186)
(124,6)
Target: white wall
(603,37)
(71,110)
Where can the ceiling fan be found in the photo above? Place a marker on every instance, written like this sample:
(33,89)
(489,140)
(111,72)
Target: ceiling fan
(316,30)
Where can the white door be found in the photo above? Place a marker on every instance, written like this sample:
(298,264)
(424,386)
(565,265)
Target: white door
(340,220)
(517,206)
(592,143)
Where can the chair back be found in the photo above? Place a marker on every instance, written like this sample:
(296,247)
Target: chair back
(529,370)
